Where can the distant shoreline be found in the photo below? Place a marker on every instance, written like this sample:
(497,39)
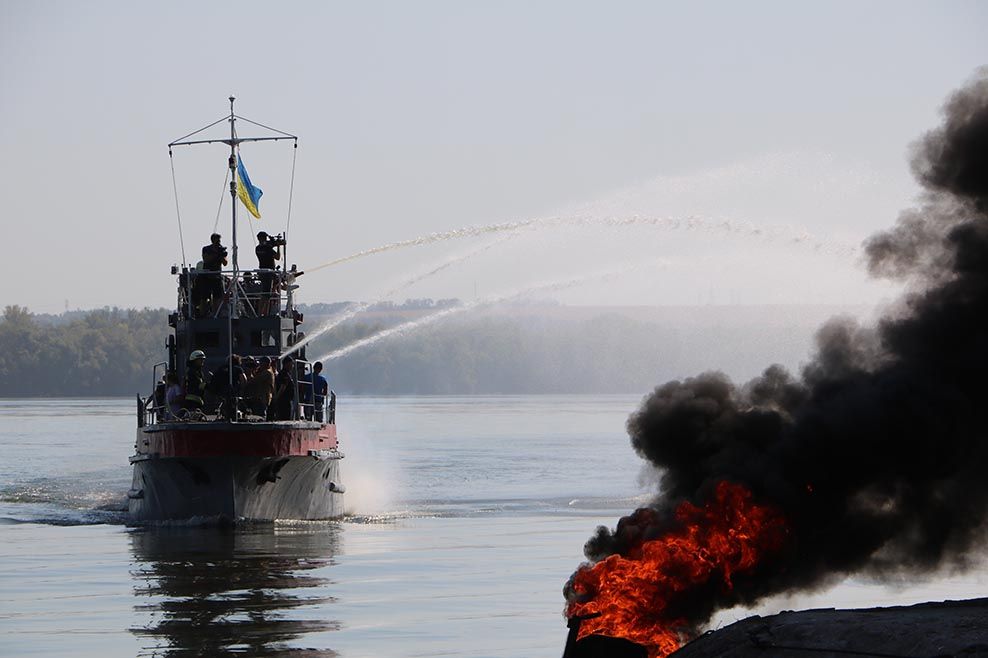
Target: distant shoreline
(517,349)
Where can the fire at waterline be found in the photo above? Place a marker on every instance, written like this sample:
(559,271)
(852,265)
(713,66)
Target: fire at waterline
(871,461)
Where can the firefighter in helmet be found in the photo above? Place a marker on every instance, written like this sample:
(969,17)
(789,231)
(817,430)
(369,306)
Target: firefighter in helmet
(195,382)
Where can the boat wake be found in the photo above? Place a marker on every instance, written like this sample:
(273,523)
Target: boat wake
(488,507)
(85,499)
(91,500)
(51,515)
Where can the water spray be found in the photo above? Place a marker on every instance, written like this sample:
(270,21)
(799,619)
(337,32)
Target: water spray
(728,226)
(455,234)
(432,318)
(355,309)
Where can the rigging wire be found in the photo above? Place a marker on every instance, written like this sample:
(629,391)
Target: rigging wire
(235,140)
(291,193)
(178,213)
(261,125)
(196,132)
(219,207)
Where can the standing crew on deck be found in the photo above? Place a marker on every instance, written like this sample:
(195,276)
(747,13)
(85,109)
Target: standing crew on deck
(219,385)
(267,254)
(284,394)
(213,260)
(320,387)
(173,395)
(260,388)
(200,291)
(195,382)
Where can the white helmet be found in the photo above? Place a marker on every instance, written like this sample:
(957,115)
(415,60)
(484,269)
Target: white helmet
(198,354)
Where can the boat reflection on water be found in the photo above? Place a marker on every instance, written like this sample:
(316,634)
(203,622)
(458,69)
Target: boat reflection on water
(233,591)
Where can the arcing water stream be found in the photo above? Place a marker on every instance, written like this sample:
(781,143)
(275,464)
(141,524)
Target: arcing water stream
(724,227)
(549,286)
(357,308)
(690,223)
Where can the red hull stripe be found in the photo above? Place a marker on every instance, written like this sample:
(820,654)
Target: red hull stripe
(274,442)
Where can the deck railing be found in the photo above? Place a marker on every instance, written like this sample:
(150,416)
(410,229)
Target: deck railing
(259,292)
(220,405)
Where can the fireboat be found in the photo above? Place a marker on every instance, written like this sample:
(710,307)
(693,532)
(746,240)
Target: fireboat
(228,460)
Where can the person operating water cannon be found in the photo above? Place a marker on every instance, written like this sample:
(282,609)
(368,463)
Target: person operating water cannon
(268,251)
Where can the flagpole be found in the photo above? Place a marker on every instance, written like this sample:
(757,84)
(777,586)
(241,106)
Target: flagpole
(233,310)
(233,183)
(234,301)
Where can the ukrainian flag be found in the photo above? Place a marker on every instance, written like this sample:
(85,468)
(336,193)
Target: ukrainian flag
(250,195)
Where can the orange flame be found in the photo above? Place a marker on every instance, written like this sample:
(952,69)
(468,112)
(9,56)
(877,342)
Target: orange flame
(706,547)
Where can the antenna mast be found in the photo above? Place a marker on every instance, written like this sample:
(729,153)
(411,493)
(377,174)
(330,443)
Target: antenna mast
(233,310)
(233,205)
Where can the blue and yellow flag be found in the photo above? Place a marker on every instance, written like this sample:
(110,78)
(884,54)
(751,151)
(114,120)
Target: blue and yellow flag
(250,195)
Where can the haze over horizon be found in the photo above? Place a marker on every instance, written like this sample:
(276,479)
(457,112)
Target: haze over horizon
(425,118)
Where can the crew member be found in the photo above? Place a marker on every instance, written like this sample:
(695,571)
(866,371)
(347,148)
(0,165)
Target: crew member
(160,390)
(267,254)
(173,395)
(213,260)
(260,388)
(200,290)
(195,382)
(219,384)
(284,395)
(320,387)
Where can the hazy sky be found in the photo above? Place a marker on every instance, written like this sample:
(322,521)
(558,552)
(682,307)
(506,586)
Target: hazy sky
(423,117)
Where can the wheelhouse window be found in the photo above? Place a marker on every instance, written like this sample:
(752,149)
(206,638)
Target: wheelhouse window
(264,338)
(206,339)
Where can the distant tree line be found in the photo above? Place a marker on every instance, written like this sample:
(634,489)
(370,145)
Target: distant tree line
(111,352)
(102,352)
(491,355)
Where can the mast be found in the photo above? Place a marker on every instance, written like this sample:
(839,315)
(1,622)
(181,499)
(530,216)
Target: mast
(233,184)
(233,302)
(235,282)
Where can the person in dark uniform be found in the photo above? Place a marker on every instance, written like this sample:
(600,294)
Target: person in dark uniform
(195,382)
(260,387)
(219,385)
(284,395)
(267,254)
(200,291)
(213,260)
(319,390)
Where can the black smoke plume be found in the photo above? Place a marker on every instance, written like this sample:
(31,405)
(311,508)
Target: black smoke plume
(878,453)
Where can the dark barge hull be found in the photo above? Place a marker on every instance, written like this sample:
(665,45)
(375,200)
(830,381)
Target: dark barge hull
(233,471)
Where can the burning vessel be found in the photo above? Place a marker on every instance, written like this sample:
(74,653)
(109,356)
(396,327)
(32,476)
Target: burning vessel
(228,460)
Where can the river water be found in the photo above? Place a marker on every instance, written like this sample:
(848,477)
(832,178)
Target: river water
(465,517)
